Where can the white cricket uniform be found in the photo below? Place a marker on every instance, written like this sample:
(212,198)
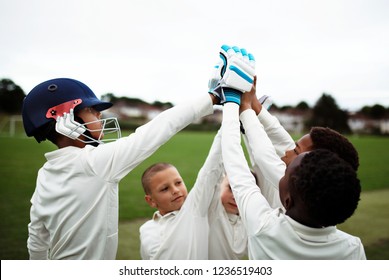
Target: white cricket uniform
(183,234)
(74,212)
(272,234)
(267,165)
(227,235)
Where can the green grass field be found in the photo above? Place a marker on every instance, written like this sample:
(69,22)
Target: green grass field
(20,159)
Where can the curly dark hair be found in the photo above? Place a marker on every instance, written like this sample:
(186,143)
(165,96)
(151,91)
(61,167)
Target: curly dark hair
(328,187)
(327,138)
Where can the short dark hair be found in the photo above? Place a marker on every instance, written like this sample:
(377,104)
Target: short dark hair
(328,187)
(327,138)
(150,172)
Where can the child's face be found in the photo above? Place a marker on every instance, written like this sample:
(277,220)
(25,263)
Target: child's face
(304,144)
(88,115)
(167,191)
(227,197)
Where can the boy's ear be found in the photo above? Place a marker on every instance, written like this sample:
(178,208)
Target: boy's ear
(288,202)
(150,201)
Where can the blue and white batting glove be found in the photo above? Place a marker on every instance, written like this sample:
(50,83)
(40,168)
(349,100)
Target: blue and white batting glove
(236,69)
(266,101)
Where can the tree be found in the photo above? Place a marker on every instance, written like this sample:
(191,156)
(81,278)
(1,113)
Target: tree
(378,112)
(302,106)
(11,97)
(326,113)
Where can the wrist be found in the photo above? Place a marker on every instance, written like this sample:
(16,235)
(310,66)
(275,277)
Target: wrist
(214,99)
(232,95)
(244,106)
(256,106)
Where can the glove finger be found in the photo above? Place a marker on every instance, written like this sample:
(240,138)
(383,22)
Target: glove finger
(251,59)
(225,48)
(244,54)
(237,51)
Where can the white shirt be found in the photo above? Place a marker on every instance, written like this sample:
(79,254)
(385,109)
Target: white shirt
(74,212)
(183,234)
(272,234)
(265,155)
(227,235)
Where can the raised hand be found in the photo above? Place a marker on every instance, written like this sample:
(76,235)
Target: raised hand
(235,71)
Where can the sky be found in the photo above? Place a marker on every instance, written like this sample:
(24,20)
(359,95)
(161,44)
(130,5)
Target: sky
(165,50)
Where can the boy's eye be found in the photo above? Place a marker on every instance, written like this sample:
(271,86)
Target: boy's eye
(164,189)
(295,151)
(178,183)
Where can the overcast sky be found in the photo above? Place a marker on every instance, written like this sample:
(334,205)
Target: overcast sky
(165,49)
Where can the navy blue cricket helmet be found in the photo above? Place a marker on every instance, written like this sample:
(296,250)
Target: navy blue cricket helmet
(50,99)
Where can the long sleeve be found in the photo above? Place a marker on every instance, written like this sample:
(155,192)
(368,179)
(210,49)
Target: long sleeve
(38,240)
(266,162)
(280,138)
(208,177)
(115,160)
(251,203)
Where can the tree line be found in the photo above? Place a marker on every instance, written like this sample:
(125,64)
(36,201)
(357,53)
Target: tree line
(325,112)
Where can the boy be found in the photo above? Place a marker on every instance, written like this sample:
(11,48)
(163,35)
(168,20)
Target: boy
(74,212)
(269,160)
(179,228)
(318,191)
(227,235)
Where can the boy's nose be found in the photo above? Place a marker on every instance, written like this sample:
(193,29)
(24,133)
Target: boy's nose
(175,189)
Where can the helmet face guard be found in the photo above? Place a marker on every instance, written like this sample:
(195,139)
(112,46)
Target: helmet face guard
(110,130)
(69,127)
(56,100)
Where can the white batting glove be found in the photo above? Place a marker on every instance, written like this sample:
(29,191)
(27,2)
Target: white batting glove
(240,69)
(235,71)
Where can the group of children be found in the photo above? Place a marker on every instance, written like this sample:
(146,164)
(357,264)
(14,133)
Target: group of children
(286,206)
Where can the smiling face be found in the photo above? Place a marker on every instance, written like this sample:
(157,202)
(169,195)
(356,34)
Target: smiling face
(227,197)
(167,191)
(304,144)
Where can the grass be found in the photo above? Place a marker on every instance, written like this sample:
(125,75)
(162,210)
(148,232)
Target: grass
(20,159)
(374,232)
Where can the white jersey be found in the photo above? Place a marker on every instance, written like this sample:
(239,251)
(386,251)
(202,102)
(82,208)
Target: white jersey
(267,164)
(227,235)
(272,234)
(74,212)
(183,234)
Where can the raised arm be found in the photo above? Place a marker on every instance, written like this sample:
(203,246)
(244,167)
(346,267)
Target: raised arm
(251,203)
(266,142)
(208,177)
(117,159)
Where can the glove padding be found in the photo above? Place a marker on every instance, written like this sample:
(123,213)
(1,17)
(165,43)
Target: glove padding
(66,125)
(233,75)
(266,101)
